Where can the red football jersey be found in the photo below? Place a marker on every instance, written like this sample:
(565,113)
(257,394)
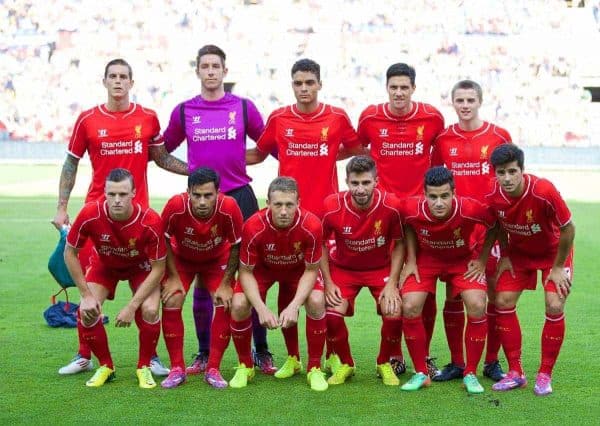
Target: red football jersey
(116,139)
(307,146)
(400,145)
(467,154)
(201,240)
(120,245)
(445,243)
(364,239)
(284,251)
(532,221)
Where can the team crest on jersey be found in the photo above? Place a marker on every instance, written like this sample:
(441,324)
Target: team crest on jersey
(377,227)
(383,133)
(458,237)
(297,246)
(138,131)
(132,252)
(232,117)
(214,230)
(453,152)
(457,233)
(289,133)
(484,152)
(102,133)
(420,132)
(324,132)
(529,216)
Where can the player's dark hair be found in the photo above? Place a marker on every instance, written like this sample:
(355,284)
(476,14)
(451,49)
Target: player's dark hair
(361,164)
(203,175)
(118,61)
(307,65)
(210,49)
(438,176)
(283,184)
(119,175)
(468,84)
(401,69)
(507,153)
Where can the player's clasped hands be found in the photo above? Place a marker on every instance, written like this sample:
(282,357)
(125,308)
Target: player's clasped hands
(288,317)
(268,319)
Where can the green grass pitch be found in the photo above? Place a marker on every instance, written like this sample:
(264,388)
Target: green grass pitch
(32,392)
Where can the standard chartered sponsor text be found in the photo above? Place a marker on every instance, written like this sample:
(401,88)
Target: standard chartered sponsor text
(397,148)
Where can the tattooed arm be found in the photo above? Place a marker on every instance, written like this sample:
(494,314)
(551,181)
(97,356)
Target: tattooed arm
(65,186)
(164,160)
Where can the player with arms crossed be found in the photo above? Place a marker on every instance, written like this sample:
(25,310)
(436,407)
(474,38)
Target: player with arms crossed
(440,224)
(203,228)
(215,124)
(366,225)
(281,243)
(540,237)
(400,135)
(465,148)
(119,133)
(128,245)
(307,137)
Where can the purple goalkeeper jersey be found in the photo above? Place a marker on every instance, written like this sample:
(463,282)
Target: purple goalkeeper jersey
(215,136)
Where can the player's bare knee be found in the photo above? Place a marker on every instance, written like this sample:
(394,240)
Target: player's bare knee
(504,301)
(240,307)
(175,301)
(315,304)
(411,309)
(150,313)
(554,305)
(476,308)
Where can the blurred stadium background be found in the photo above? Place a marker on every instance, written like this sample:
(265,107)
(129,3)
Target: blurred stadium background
(535,59)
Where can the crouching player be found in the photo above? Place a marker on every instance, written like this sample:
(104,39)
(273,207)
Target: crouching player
(203,228)
(128,245)
(441,225)
(366,225)
(281,243)
(540,237)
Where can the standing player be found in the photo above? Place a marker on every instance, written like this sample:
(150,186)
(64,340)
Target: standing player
(128,245)
(442,225)
(281,243)
(464,148)
(400,134)
(121,134)
(203,228)
(215,124)
(366,225)
(307,136)
(540,237)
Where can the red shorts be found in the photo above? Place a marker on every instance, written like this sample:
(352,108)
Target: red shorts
(287,288)
(456,281)
(351,282)
(526,279)
(210,274)
(477,240)
(110,277)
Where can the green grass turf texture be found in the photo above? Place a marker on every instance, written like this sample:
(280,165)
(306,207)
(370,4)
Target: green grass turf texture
(32,392)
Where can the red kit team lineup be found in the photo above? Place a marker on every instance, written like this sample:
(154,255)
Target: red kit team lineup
(425,203)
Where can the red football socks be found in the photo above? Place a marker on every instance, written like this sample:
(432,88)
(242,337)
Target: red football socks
(553,335)
(220,334)
(172,326)
(475,335)
(454,324)
(414,336)
(337,336)
(391,336)
(149,334)
(95,338)
(509,331)
(316,332)
(241,332)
